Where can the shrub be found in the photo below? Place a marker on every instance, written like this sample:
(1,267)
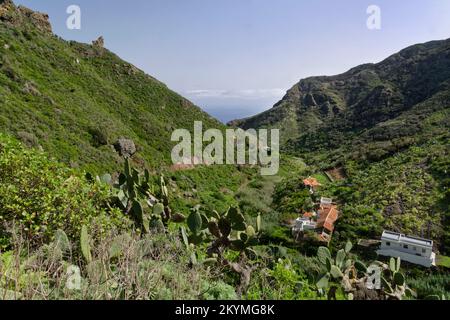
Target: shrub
(123,267)
(41,196)
(283,282)
(436,284)
(29,139)
(100,137)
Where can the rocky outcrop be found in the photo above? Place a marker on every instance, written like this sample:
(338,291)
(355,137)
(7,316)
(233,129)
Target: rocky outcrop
(125,147)
(20,16)
(6,5)
(40,20)
(99,43)
(6,8)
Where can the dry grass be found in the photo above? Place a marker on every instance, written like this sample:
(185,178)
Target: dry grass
(125,267)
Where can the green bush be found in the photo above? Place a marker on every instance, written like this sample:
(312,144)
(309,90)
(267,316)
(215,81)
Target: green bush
(218,291)
(40,196)
(283,282)
(292,197)
(436,284)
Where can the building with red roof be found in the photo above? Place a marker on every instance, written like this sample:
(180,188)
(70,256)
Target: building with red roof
(327,217)
(311,182)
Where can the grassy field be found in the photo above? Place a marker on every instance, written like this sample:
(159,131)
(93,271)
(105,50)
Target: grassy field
(443,261)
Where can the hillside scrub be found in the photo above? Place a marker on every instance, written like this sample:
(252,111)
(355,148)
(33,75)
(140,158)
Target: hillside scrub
(42,195)
(83,248)
(124,267)
(76,100)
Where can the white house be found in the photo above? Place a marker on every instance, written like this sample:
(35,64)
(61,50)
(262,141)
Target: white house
(326,202)
(412,249)
(303,224)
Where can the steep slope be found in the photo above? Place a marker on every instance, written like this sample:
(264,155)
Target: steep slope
(76,100)
(368,112)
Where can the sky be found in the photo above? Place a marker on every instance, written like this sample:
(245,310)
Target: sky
(236,58)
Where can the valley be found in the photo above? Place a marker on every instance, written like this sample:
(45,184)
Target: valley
(87,180)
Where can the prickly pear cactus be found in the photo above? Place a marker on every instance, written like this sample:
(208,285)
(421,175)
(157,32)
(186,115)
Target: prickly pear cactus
(195,222)
(85,244)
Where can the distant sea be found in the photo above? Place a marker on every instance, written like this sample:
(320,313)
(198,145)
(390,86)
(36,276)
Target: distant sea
(228,113)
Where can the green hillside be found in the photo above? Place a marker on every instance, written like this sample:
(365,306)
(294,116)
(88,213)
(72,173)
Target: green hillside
(386,126)
(76,100)
(369,112)
(376,138)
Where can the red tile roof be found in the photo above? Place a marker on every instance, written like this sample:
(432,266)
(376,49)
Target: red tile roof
(311,182)
(327,218)
(308,215)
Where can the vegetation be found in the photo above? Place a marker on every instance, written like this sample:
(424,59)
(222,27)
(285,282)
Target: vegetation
(386,126)
(122,266)
(69,230)
(76,100)
(43,196)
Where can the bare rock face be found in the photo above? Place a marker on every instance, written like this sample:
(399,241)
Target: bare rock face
(99,43)
(125,147)
(20,15)
(6,4)
(40,20)
(6,7)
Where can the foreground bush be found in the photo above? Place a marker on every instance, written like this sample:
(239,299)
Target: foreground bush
(41,196)
(123,267)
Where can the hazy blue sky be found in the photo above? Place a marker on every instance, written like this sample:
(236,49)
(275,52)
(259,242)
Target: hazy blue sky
(236,58)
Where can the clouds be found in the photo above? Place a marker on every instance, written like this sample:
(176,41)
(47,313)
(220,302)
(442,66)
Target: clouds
(246,94)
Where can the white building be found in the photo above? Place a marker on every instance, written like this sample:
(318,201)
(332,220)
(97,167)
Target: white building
(411,249)
(326,202)
(303,224)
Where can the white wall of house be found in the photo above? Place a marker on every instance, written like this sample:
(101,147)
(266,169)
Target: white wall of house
(326,201)
(421,261)
(302,225)
(407,248)
(411,249)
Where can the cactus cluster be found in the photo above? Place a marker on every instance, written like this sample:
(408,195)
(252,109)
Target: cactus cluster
(353,276)
(393,281)
(228,230)
(338,268)
(221,232)
(134,194)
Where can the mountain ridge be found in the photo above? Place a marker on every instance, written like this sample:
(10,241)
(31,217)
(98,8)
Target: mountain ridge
(387,126)
(77,100)
(361,98)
